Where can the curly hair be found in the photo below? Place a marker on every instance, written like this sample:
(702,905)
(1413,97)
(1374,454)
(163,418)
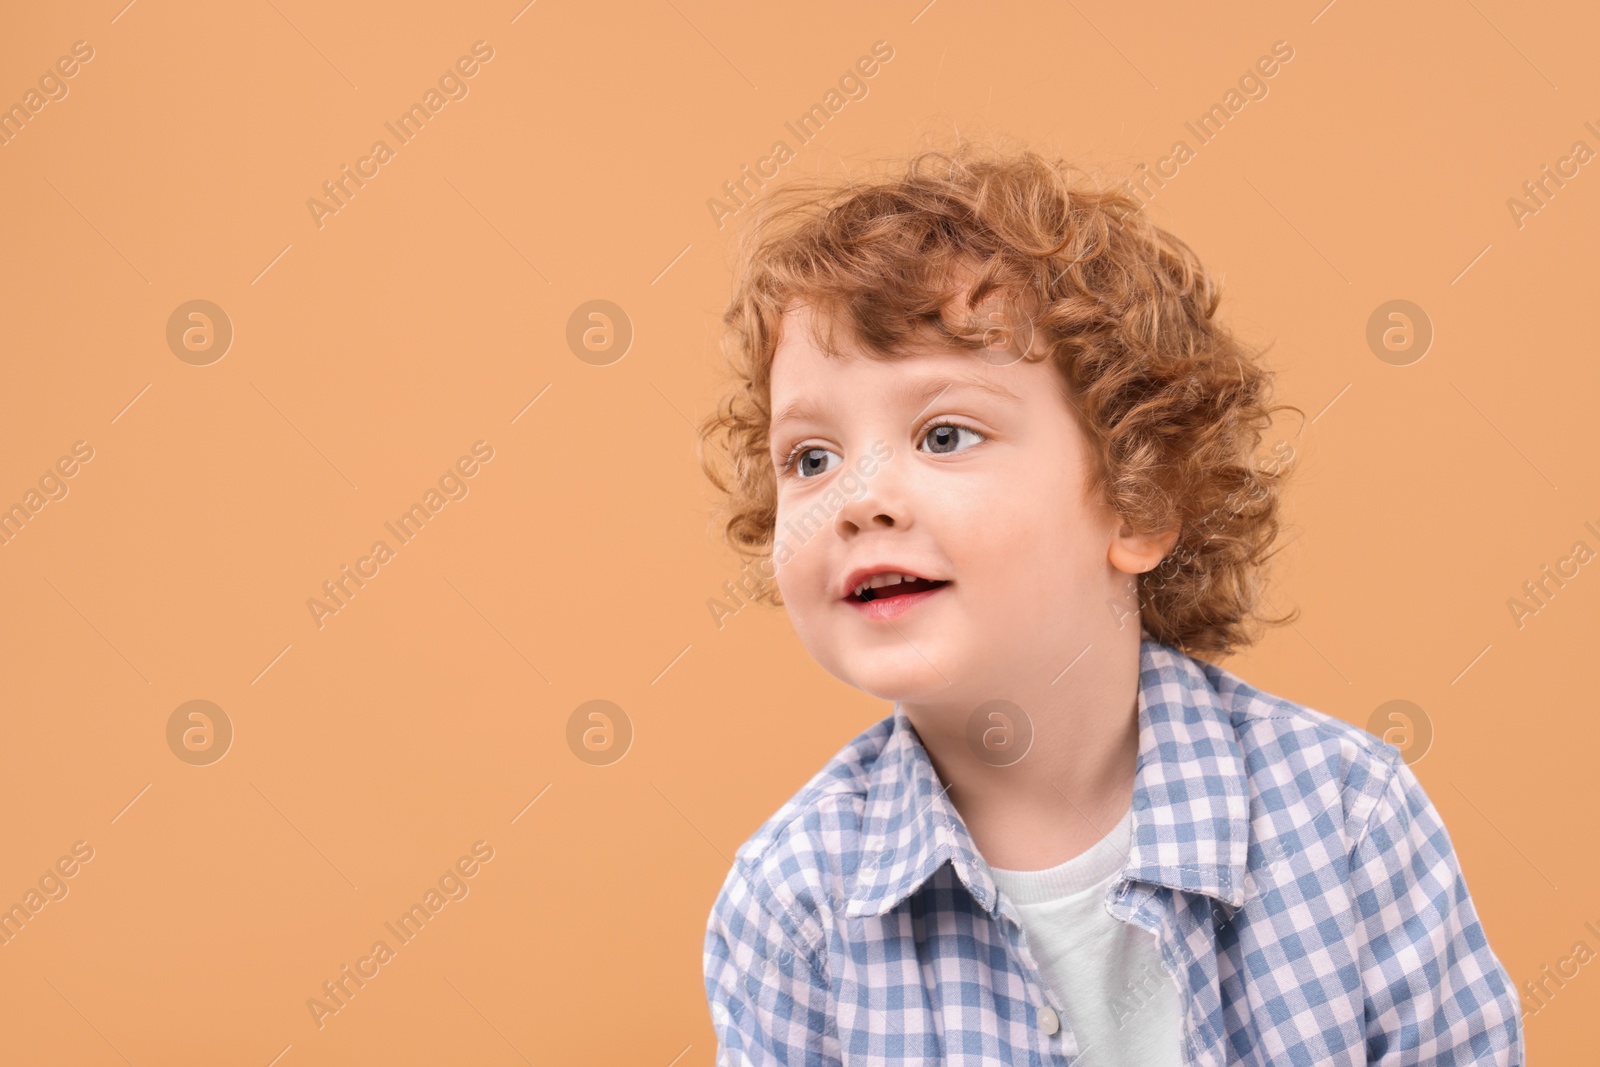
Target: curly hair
(1173,405)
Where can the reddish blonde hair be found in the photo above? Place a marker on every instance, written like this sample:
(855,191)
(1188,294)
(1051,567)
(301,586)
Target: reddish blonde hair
(1173,405)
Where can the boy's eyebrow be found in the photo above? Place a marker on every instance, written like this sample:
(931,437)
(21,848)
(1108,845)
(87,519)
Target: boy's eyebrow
(924,391)
(931,389)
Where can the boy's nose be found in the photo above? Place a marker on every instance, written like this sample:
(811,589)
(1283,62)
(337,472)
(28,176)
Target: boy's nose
(883,519)
(880,505)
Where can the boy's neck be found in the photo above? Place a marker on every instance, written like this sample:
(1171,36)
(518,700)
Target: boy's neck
(1076,781)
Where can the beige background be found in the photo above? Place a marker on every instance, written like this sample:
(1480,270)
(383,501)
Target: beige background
(430,311)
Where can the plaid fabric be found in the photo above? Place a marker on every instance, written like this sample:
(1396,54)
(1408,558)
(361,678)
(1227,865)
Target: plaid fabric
(1304,893)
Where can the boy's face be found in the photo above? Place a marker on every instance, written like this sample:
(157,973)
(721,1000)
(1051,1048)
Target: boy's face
(996,509)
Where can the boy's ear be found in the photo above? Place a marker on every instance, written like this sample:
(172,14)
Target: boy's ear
(1135,553)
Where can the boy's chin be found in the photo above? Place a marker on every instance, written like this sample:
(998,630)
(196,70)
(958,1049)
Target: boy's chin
(912,683)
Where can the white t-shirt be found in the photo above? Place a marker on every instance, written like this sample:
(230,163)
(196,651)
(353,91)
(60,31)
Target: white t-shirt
(1121,1003)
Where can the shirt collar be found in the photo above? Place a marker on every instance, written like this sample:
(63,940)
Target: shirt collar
(1190,801)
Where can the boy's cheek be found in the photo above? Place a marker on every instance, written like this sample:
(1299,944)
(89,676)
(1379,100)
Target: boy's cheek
(802,579)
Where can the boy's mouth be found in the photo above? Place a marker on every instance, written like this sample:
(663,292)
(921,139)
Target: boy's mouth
(905,588)
(863,587)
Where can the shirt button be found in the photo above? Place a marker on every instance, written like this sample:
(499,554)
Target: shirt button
(1049,1022)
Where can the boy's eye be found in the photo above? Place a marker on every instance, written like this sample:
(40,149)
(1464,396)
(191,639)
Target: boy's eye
(809,462)
(945,436)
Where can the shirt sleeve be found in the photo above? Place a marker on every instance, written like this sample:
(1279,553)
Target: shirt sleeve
(769,1005)
(1434,992)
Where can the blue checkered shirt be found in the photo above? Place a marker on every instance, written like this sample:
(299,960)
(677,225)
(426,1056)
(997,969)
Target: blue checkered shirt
(1303,891)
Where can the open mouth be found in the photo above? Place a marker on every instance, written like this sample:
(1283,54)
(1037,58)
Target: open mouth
(904,587)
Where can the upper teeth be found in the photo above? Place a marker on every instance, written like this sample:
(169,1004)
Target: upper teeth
(879,580)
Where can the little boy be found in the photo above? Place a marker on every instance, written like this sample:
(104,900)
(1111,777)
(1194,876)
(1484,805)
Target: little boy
(1072,841)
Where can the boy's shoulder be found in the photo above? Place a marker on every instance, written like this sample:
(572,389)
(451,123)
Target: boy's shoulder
(847,772)
(1298,766)
(798,864)
(829,805)
(1296,755)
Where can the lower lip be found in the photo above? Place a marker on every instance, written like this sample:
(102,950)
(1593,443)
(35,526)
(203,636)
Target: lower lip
(895,606)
